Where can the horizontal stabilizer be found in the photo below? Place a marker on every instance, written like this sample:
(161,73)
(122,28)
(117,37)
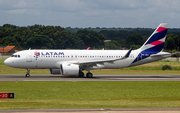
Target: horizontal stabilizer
(161,54)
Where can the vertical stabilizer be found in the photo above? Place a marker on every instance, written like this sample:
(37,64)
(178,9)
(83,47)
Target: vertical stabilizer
(155,42)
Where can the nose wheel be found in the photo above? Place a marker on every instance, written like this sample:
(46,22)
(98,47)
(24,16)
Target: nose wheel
(27,74)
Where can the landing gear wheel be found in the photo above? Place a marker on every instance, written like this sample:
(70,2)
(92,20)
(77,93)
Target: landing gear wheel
(81,74)
(89,75)
(27,75)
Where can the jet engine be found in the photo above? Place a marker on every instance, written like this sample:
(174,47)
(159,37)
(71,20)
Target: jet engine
(66,69)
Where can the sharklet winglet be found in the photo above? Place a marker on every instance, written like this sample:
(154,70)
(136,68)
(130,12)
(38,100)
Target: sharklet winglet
(126,55)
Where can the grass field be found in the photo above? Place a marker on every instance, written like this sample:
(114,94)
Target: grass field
(94,94)
(150,68)
(91,94)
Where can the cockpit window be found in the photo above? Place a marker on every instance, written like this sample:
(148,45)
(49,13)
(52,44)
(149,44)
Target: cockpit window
(16,56)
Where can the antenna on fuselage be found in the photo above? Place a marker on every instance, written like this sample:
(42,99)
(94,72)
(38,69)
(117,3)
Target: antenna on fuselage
(29,48)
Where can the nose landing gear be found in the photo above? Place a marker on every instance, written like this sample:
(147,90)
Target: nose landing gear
(27,74)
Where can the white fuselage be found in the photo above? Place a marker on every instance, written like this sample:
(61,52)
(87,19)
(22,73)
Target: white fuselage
(50,59)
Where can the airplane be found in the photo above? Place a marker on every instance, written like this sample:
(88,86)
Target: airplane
(74,62)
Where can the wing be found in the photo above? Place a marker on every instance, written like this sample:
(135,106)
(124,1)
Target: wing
(100,63)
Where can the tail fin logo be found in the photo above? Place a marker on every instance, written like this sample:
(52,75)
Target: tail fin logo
(156,39)
(154,44)
(161,29)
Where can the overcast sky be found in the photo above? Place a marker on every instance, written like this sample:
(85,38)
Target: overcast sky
(91,13)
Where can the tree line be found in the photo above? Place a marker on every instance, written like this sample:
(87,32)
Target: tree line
(56,37)
(48,37)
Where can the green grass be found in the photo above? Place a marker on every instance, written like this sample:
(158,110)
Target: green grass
(150,68)
(91,94)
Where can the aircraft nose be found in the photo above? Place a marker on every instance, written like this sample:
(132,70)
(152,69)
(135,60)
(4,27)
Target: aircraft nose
(7,62)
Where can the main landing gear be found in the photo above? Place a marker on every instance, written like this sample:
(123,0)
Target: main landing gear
(27,74)
(81,74)
(88,75)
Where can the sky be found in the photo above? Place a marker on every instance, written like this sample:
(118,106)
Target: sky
(91,13)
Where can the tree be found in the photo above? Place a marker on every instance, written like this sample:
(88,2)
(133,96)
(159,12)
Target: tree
(112,45)
(135,46)
(134,40)
(39,42)
(172,42)
(91,38)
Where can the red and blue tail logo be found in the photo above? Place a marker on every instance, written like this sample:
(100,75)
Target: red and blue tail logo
(155,42)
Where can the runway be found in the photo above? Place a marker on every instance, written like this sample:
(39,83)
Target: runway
(96,110)
(48,77)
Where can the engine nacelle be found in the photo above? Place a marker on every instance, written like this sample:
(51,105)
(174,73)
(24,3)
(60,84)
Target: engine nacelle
(66,69)
(69,69)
